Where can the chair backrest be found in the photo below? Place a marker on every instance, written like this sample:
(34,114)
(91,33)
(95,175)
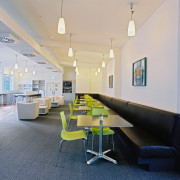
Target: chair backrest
(73,102)
(92,103)
(101,107)
(97,112)
(70,107)
(63,118)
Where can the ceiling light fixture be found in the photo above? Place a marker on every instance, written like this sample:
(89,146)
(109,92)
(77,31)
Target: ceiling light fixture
(34,72)
(20,74)
(76,69)
(103,62)
(74,63)
(16,64)
(99,70)
(12,72)
(111,53)
(131,27)
(61,24)
(78,73)
(96,73)
(26,69)
(70,52)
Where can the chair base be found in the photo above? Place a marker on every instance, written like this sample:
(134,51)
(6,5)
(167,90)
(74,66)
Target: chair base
(98,156)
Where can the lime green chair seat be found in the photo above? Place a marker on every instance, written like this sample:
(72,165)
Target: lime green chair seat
(70,136)
(106,131)
(71,116)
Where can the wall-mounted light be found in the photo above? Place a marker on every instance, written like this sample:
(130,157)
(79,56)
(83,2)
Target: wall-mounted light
(131,27)
(70,52)
(61,23)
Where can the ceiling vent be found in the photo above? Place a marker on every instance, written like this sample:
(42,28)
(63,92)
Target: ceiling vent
(7,38)
(41,63)
(28,54)
(55,71)
(49,67)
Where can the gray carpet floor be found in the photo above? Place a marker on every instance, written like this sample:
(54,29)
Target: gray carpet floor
(28,151)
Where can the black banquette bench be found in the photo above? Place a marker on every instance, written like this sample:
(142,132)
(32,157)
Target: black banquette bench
(155,137)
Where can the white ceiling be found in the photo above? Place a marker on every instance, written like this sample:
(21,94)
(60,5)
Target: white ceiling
(91,22)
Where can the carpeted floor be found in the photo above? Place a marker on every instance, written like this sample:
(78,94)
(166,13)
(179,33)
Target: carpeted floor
(28,151)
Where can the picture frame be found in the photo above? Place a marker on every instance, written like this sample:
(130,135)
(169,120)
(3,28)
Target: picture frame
(139,72)
(111,81)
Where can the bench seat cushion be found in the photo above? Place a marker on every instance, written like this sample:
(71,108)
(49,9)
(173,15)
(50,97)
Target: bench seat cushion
(146,145)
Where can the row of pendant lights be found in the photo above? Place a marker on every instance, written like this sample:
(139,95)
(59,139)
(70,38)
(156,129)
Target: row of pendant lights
(25,70)
(62,27)
(62,30)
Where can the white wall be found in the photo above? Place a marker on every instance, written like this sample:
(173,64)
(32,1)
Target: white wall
(157,39)
(87,82)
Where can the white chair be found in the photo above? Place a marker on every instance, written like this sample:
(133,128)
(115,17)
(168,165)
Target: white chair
(49,101)
(28,110)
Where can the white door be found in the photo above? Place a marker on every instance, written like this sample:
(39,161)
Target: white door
(54,89)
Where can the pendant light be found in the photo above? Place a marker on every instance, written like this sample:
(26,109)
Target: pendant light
(26,69)
(74,62)
(96,73)
(78,73)
(20,74)
(70,52)
(12,72)
(34,72)
(131,27)
(99,70)
(111,52)
(103,62)
(61,24)
(76,69)
(16,64)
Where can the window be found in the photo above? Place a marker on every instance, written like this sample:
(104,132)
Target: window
(8,82)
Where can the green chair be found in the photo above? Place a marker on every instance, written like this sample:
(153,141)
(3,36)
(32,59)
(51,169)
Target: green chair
(106,130)
(71,116)
(75,104)
(70,136)
(92,103)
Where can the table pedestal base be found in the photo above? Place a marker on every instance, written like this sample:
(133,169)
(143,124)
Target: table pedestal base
(98,155)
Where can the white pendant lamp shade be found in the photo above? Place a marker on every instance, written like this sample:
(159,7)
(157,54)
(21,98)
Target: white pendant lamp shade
(12,72)
(76,69)
(70,52)
(20,74)
(78,73)
(61,23)
(74,63)
(111,53)
(16,66)
(99,70)
(26,69)
(103,64)
(61,26)
(95,73)
(131,28)
(34,72)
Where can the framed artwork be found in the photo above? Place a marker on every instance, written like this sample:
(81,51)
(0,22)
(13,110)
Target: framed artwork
(111,81)
(139,72)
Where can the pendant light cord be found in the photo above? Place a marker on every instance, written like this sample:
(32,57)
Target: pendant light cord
(131,10)
(61,7)
(70,39)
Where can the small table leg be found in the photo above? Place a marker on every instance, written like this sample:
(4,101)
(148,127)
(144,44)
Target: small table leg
(100,154)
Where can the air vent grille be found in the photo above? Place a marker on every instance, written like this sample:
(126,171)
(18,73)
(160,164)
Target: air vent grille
(28,54)
(7,40)
(41,63)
